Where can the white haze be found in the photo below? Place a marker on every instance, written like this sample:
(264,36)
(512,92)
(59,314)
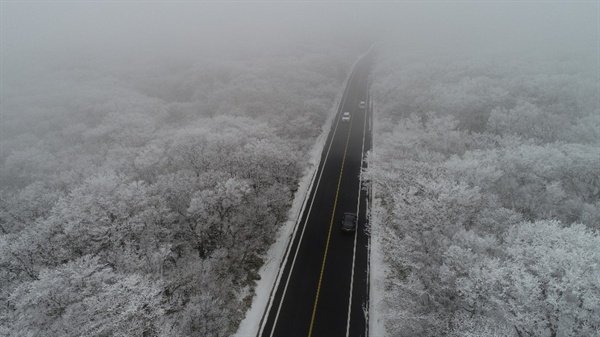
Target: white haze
(127,127)
(99,30)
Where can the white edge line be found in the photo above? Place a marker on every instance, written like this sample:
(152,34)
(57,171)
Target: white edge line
(299,216)
(308,214)
(283,263)
(367,217)
(356,234)
(289,276)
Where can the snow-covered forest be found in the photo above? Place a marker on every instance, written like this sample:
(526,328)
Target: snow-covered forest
(138,199)
(486,172)
(151,150)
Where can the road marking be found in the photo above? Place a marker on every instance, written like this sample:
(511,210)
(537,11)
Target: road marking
(312,319)
(367,217)
(356,234)
(289,276)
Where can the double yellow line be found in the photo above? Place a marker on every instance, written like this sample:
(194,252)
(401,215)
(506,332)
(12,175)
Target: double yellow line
(312,319)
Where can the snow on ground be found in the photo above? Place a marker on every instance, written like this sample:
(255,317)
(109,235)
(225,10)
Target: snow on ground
(377,274)
(268,273)
(250,325)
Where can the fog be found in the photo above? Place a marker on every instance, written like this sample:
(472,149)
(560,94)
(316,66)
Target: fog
(150,152)
(61,31)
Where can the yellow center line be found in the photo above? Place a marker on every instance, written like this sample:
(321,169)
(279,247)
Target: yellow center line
(312,319)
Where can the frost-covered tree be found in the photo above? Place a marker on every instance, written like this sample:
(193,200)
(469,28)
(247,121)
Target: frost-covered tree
(540,281)
(86,297)
(477,199)
(168,176)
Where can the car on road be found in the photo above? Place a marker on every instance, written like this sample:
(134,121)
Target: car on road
(362,104)
(346,117)
(349,222)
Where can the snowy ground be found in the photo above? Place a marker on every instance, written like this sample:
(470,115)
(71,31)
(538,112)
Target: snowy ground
(377,267)
(268,273)
(376,275)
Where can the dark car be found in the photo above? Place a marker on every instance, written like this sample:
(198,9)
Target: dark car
(349,222)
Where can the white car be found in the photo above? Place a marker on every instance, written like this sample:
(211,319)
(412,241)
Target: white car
(346,117)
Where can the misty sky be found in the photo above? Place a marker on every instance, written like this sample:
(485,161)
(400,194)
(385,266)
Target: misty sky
(34,30)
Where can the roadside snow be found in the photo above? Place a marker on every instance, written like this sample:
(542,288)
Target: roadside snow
(250,325)
(268,273)
(377,274)
(377,266)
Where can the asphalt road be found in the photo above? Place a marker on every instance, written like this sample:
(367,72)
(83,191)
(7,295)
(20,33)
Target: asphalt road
(323,285)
